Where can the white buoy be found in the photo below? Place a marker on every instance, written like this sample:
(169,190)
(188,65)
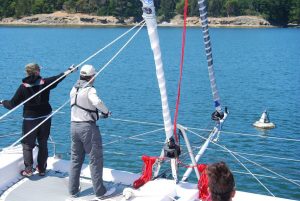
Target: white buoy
(264,122)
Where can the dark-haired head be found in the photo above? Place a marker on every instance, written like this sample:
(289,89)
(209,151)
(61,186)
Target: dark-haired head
(220,182)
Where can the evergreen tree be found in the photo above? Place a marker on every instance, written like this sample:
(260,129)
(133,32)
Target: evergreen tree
(232,8)
(215,8)
(193,8)
(295,12)
(23,8)
(166,9)
(7,8)
(278,12)
(70,6)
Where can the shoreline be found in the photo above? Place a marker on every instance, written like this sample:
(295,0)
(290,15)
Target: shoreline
(63,19)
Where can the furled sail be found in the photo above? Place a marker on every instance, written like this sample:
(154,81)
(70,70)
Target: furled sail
(150,18)
(219,116)
(209,57)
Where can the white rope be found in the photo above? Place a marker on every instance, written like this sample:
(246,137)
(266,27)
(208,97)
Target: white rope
(117,153)
(264,156)
(145,133)
(134,137)
(130,39)
(232,153)
(109,44)
(261,136)
(223,147)
(28,133)
(135,121)
(202,129)
(246,169)
(25,135)
(262,175)
(283,177)
(34,95)
(9,135)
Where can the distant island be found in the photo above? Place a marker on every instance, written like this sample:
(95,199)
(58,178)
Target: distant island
(228,13)
(61,18)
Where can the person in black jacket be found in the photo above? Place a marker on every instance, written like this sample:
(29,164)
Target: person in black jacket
(35,111)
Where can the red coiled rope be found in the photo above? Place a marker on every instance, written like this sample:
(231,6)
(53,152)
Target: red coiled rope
(147,171)
(181,67)
(203,182)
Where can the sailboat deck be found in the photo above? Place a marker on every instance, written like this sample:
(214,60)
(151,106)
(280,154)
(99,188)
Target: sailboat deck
(54,186)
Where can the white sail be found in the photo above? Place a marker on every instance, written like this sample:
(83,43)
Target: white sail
(150,18)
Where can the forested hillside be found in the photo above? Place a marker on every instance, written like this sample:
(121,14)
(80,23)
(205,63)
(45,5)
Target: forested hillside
(278,12)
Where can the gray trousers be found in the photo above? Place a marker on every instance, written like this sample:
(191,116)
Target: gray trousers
(86,139)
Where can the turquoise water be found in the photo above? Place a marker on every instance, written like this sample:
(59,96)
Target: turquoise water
(255,69)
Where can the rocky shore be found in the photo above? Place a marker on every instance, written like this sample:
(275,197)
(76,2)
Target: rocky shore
(66,19)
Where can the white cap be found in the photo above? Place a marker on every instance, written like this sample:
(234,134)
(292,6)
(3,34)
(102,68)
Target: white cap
(87,70)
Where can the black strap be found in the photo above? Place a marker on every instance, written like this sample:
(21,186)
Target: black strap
(85,109)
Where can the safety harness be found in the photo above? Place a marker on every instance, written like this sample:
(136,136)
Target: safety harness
(85,109)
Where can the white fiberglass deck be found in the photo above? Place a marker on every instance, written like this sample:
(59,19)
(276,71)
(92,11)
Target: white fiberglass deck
(54,186)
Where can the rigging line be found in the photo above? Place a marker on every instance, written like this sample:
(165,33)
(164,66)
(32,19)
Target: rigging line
(109,44)
(261,136)
(245,168)
(261,155)
(181,68)
(134,137)
(120,50)
(48,117)
(55,81)
(223,147)
(83,86)
(11,119)
(116,153)
(145,133)
(246,134)
(262,175)
(138,122)
(283,177)
(8,135)
(151,123)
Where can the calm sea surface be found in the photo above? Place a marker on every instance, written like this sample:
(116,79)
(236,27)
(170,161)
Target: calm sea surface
(255,69)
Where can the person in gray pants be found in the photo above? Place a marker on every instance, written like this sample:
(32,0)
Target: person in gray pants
(85,134)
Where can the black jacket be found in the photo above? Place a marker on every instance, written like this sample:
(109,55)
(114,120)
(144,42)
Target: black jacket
(39,105)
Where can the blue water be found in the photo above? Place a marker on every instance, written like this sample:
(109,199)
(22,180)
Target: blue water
(255,69)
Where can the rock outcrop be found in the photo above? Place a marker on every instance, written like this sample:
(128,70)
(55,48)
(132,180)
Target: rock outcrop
(64,19)
(240,21)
